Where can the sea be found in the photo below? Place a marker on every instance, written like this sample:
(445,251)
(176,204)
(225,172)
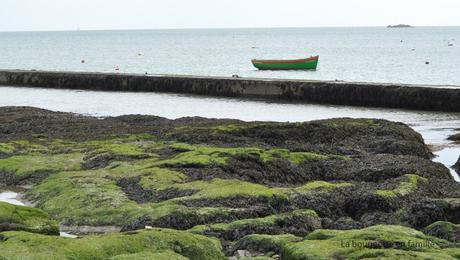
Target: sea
(373,54)
(397,55)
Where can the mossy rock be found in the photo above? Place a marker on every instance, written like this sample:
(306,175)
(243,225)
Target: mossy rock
(161,255)
(25,166)
(201,155)
(299,222)
(409,185)
(264,243)
(17,218)
(6,149)
(444,230)
(141,244)
(84,198)
(383,242)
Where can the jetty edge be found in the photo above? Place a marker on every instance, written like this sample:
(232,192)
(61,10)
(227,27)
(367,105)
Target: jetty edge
(404,96)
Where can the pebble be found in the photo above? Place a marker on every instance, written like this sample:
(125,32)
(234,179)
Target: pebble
(242,254)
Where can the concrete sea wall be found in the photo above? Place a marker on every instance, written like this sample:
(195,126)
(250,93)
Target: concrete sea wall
(434,98)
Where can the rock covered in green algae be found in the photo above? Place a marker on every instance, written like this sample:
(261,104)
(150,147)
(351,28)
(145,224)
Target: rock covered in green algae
(28,219)
(382,242)
(227,179)
(444,230)
(158,243)
(299,222)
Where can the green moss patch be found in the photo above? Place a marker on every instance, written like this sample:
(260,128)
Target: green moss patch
(377,241)
(24,166)
(405,188)
(157,242)
(220,188)
(444,230)
(6,148)
(350,123)
(84,198)
(229,128)
(299,221)
(199,155)
(319,186)
(159,255)
(17,218)
(161,178)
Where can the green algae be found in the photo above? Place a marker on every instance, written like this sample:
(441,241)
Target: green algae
(260,223)
(220,188)
(158,255)
(405,188)
(6,148)
(27,147)
(350,123)
(84,198)
(319,186)
(94,198)
(161,178)
(382,242)
(223,188)
(264,242)
(377,241)
(444,230)
(133,145)
(159,242)
(230,128)
(21,218)
(199,155)
(24,166)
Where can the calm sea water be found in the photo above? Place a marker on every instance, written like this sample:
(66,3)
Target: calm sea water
(350,54)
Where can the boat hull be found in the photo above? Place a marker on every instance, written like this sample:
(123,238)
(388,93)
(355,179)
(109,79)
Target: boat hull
(302,64)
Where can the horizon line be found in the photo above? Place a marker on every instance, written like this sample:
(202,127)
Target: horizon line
(217,28)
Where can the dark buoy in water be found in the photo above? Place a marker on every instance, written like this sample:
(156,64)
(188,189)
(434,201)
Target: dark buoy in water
(146,73)
(83,61)
(427,62)
(117,68)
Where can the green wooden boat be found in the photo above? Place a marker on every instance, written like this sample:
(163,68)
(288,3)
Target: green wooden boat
(301,64)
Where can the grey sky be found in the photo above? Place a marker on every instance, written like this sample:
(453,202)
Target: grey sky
(19,15)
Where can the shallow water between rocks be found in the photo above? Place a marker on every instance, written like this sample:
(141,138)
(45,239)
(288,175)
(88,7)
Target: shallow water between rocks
(12,197)
(435,127)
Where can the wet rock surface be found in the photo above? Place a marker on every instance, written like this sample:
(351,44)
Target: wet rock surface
(457,166)
(455,137)
(259,188)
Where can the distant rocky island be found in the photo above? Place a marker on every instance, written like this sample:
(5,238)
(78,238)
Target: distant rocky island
(399,26)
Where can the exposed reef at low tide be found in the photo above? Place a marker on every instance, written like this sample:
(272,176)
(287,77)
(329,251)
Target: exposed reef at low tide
(196,188)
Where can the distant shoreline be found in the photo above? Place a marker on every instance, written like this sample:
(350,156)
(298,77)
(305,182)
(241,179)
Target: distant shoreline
(217,28)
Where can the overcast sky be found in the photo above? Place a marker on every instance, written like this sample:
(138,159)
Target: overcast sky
(26,15)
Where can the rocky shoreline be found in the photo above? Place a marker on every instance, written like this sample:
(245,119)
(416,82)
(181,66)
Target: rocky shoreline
(209,189)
